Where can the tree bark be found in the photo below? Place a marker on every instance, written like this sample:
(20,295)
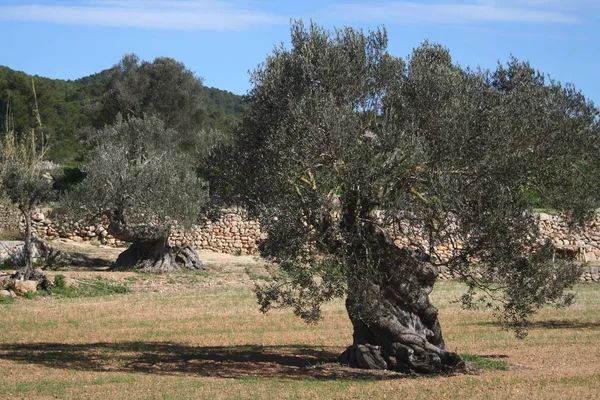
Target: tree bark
(150,251)
(399,338)
(396,326)
(27,272)
(28,250)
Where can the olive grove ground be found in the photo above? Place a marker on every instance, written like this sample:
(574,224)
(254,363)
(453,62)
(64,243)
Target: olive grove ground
(200,335)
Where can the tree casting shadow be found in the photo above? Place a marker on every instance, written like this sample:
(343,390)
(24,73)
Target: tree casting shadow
(293,362)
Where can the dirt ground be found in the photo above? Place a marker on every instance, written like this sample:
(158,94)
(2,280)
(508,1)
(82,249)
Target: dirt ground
(89,260)
(200,335)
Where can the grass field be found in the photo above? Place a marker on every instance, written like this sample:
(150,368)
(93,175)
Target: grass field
(201,336)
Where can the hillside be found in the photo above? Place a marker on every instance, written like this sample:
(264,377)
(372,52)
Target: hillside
(62,106)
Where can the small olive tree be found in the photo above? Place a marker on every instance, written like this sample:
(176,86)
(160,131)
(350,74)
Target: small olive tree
(138,179)
(23,180)
(25,185)
(346,148)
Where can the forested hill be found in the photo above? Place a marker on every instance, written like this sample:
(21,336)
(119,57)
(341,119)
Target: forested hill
(62,107)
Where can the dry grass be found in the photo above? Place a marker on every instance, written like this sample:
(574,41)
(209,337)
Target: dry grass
(206,340)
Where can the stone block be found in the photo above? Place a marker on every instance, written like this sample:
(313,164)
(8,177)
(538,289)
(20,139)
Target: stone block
(22,287)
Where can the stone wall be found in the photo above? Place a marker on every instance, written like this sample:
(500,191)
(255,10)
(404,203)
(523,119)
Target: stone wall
(584,245)
(9,218)
(231,233)
(234,233)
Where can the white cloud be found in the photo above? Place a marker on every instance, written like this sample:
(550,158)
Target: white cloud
(556,4)
(153,14)
(453,13)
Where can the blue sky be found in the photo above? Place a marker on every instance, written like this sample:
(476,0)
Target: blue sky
(221,40)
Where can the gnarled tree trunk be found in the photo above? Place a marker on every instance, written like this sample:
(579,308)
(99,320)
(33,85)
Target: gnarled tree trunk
(150,251)
(395,325)
(28,273)
(398,337)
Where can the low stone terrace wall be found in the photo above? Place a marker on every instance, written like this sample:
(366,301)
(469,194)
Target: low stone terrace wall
(233,232)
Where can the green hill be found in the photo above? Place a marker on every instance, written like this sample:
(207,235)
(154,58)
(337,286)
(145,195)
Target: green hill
(62,107)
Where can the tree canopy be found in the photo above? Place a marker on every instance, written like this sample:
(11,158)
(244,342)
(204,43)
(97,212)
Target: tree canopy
(137,176)
(163,87)
(60,106)
(23,179)
(345,148)
(65,105)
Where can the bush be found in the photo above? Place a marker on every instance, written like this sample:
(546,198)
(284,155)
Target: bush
(71,177)
(60,282)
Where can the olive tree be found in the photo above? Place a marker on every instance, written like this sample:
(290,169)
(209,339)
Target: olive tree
(24,183)
(163,87)
(360,164)
(137,177)
(23,180)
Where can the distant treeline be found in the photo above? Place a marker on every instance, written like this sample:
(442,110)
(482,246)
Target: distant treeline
(62,105)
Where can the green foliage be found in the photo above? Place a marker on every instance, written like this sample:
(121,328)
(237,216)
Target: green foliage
(486,362)
(59,281)
(65,107)
(23,180)
(257,277)
(224,109)
(164,88)
(534,198)
(68,179)
(26,189)
(60,265)
(343,143)
(81,288)
(8,265)
(137,175)
(32,295)
(86,288)
(61,108)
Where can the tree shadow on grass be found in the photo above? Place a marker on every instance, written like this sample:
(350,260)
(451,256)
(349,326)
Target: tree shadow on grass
(553,324)
(83,261)
(565,324)
(291,362)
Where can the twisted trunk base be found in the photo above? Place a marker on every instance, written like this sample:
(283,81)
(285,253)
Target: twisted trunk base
(399,339)
(157,257)
(395,325)
(150,252)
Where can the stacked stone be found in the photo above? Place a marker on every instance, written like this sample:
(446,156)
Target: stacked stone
(590,274)
(9,218)
(232,233)
(556,229)
(79,231)
(444,251)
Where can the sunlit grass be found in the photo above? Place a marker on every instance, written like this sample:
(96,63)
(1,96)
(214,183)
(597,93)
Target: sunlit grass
(214,343)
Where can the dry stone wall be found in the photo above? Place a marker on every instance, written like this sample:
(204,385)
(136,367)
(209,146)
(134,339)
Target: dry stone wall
(233,232)
(584,245)
(9,218)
